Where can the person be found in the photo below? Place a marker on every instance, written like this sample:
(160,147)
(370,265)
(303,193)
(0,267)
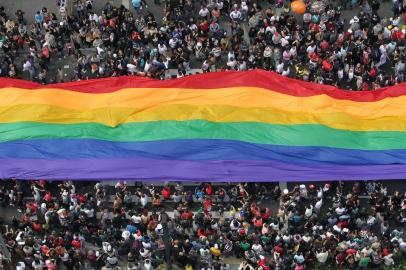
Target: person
(39,19)
(364,261)
(137,4)
(20,266)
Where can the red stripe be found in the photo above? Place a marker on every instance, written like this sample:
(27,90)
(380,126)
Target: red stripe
(253,78)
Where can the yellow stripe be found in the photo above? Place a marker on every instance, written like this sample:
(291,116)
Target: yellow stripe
(180,112)
(244,97)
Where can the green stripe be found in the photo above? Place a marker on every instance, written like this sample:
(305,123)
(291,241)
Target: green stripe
(290,135)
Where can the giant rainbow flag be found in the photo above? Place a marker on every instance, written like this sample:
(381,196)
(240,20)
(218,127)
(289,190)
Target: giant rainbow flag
(227,126)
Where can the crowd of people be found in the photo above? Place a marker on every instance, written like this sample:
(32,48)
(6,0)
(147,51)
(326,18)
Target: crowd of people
(202,226)
(365,53)
(207,227)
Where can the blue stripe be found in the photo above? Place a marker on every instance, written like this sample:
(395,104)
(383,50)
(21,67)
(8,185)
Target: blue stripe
(70,149)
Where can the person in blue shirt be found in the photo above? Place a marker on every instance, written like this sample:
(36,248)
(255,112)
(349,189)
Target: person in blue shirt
(39,18)
(137,4)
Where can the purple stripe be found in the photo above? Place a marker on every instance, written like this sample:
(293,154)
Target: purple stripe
(148,169)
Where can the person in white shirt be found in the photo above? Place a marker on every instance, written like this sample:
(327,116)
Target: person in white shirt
(146,245)
(126,235)
(145,253)
(285,41)
(402,245)
(311,49)
(293,51)
(274,226)
(367,251)
(320,193)
(173,42)
(162,49)
(37,194)
(388,260)
(242,65)
(136,219)
(244,10)
(37,264)
(144,200)
(257,248)
(148,264)
(225,266)
(204,12)
(89,212)
(64,257)
(93,17)
(147,65)
(112,260)
(308,211)
(234,225)
(232,63)
(318,206)
(235,15)
(286,72)
(230,55)
(340,210)
(20,266)
(279,67)
(322,256)
(371,221)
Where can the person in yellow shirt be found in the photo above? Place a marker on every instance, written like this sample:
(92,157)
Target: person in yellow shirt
(215,251)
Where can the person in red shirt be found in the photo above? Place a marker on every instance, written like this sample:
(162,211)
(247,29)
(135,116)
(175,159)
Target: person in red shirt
(348,34)
(112,23)
(45,250)
(299,266)
(58,241)
(208,189)
(201,232)
(278,249)
(385,252)
(397,35)
(135,36)
(215,13)
(166,193)
(343,224)
(242,231)
(204,26)
(207,203)
(266,214)
(45,52)
(48,197)
(186,215)
(373,72)
(351,251)
(255,210)
(81,198)
(324,45)
(257,223)
(76,243)
(36,227)
(327,66)
(32,206)
(365,86)
(263,262)
(340,258)
(314,27)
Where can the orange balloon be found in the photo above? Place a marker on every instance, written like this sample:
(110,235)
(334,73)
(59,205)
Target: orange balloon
(298,7)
